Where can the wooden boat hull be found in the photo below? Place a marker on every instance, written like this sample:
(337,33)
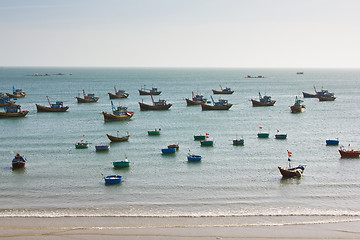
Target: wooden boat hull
(206,107)
(256,103)
(114,96)
(238,142)
(297,109)
(263,135)
(193,103)
(118,139)
(141,92)
(13,115)
(8,104)
(207,143)
(121,164)
(10,95)
(113,179)
(308,95)
(222,92)
(17,165)
(290,173)
(199,137)
(49,109)
(332,142)
(168,150)
(349,154)
(281,136)
(194,158)
(108,117)
(326,98)
(83,100)
(146,107)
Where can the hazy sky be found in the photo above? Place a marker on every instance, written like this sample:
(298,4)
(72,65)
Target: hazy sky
(180,33)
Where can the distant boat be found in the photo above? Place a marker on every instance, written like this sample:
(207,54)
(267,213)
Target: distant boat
(176,146)
(113,179)
(117,138)
(90,98)
(119,114)
(300,73)
(122,164)
(199,137)
(13,111)
(248,76)
(168,150)
(118,94)
(196,100)
(220,105)
(18,161)
(82,144)
(17,93)
(345,153)
(263,101)
(223,91)
(298,106)
(207,143)
(238,141)
(154,132)
(289,171)
(193,157)
(325,95)
(263,134)
(157,106)
(333,142)
(104,147)
(152,91)
(281,136)
(5,101)
(308,95)
(57,107)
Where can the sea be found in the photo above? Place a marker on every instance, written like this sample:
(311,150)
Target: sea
(232,185)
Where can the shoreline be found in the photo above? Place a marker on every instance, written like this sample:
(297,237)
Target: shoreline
(167,228)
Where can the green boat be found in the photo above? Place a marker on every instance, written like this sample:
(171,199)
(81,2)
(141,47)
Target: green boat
(263,135)
(207,143)
(154,132)
(199,137)
(121,164)
(82,144)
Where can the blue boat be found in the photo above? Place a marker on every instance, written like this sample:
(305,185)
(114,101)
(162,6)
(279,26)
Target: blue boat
(194,158)
(333,142)
(168,150)
(102,147)
(113,179)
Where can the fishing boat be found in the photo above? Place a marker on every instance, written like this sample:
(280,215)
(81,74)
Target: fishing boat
(119,114)
(154,132)
(113,179)
(55,107)
(332,142)
(289,171)
(193,157)
(18,161)
(238,141)
(122,164)
(280,136)
(104,147)
(152,91)
(309,95)
(5,101)
(118,94)
(249,76)
(17,93)
(298,106)
(220,105)
(157,106)
(196,100)
(347,153)
(223,91)
(207,142)
(89,98)
(199,137)
(263,101)
(300,73)
(324,95)
(82,144)
(263,134)
(175,146)
(168,150)
(13,111)
(117,138)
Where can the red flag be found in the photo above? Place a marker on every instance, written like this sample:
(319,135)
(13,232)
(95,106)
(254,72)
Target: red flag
(83,135)
(207,134)
(260,127)
(118,130)
(289,153)
(278,130)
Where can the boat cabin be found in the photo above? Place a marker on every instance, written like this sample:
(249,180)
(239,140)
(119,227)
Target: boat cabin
(57,105)
(221,102)
(160,103)
(89,96)
(120,111)
(13,109)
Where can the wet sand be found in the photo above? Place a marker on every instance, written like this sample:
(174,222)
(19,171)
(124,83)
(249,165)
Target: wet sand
(164,228)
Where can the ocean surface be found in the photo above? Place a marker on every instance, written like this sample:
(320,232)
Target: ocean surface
(231,182)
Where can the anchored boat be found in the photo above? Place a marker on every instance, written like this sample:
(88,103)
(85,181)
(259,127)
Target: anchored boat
(17,93)
(298,106)
(289,171)
(56,107)
(89,98)
(118,94)
(347,153)
(223,91)
(196,100)
(264,101)
(113,179)
(152,91)
(122,164)
(220,105)
(157,106)
(119,114)
(13,111)
(18,161)
(117,138)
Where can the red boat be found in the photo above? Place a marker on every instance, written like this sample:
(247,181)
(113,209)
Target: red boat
(18,161)
(348,153)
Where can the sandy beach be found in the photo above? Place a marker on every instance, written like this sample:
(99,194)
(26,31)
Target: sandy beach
(160,228)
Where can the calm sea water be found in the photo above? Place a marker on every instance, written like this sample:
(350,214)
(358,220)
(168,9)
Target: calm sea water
(231,181)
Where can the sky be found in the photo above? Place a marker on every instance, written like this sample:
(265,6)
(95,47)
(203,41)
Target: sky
(180,33)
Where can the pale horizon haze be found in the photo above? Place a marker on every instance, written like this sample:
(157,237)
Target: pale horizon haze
(181,33)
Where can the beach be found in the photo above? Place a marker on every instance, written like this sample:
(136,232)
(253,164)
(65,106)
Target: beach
(164,228)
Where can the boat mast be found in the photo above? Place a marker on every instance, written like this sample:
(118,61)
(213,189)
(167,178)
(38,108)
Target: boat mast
(212,100)
(84,92)
(152,99)
(115,89)
(48,100)
(112,106)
